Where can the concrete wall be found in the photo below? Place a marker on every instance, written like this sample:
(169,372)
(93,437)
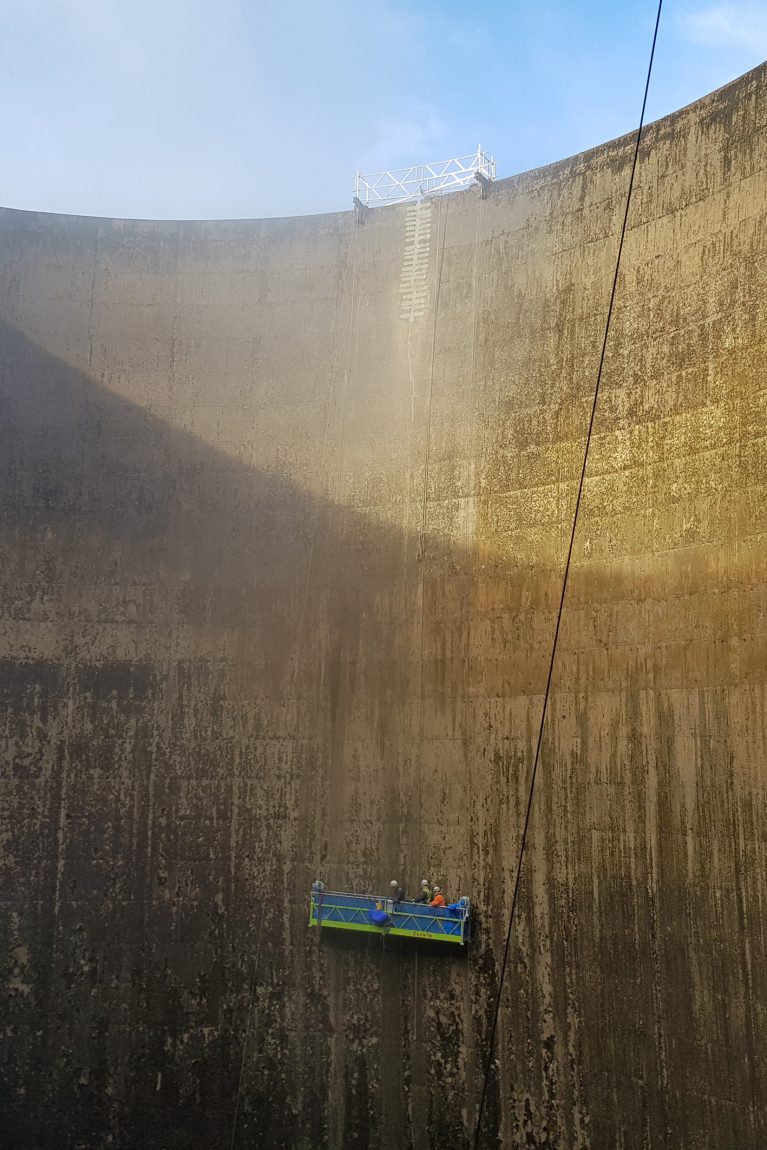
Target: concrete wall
(285,508)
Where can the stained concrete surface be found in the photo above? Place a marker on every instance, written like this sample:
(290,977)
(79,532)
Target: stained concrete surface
(285,507)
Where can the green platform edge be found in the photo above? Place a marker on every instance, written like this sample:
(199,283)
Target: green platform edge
(455,938)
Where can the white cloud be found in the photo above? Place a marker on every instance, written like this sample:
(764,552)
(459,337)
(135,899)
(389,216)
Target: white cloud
(398,142)
(185,108)
(741,25)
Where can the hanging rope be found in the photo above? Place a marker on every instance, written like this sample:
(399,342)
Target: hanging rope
(471,548)
(351,262)
(531,790)
(422,558)
(424,510)
(470,542)
(338,512)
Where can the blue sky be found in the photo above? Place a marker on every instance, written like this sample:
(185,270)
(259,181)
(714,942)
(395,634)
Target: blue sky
(185,108)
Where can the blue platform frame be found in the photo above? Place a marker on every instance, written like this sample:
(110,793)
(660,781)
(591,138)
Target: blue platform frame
(341,910)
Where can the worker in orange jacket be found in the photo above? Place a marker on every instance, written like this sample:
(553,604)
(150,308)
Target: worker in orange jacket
(439,898)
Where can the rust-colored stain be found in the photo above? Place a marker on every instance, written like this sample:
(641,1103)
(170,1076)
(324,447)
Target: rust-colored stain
(280,561)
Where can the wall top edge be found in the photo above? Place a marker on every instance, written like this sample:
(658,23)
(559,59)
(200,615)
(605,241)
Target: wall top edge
(732,92)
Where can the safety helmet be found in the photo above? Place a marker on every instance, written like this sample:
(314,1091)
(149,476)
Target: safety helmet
(438,890)
(394,882)
(424,882)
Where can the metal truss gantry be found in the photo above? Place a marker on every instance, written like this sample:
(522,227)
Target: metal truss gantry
(423,179)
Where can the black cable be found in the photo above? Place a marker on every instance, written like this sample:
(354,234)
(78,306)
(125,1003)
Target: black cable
(531,792)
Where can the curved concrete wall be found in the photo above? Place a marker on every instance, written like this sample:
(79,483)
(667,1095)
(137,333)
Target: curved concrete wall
(285,508)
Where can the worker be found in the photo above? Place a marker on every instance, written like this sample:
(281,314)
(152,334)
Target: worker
(439,898)
(397,893)
(424,894)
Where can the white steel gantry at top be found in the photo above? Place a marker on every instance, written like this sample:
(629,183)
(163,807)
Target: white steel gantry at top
(423,179)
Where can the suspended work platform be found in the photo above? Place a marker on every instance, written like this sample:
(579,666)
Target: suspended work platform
(375,914)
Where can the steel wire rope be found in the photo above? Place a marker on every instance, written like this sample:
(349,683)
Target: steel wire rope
(424,508)
(345,414)
(422,558)
(351,260)
(352,252)
(471,543)
(531,789)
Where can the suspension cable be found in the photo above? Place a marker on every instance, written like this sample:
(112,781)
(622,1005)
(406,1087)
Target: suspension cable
(531,789)
(422,557)
(424,510)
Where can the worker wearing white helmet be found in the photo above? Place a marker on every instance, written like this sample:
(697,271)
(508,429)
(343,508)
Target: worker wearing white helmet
(397,893)
(424,894)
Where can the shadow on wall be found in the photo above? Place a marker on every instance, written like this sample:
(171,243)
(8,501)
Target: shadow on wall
(98,492)
(151,585)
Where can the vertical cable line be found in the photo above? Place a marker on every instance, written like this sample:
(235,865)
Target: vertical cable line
(471,553)
(351,257)
(531,790)
(440,255)
(424,508)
